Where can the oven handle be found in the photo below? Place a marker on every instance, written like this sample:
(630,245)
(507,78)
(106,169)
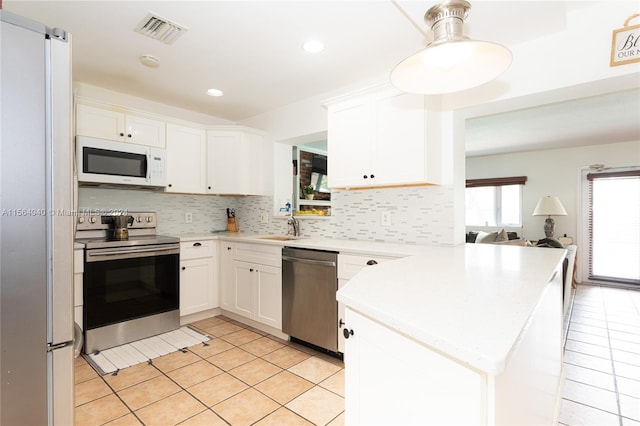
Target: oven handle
(97,255)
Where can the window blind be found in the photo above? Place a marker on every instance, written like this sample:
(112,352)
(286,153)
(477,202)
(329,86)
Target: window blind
(503,181)
(614,226)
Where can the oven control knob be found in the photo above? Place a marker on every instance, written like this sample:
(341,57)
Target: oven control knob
(81,220)
(138,219)
(149,218)
(92,220)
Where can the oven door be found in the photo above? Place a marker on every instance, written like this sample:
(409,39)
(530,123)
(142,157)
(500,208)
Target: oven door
(126,283)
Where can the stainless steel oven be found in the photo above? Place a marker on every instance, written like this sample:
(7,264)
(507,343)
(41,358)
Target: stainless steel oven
(131,288)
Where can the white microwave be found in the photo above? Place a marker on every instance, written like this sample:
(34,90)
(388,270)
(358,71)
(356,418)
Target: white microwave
(103,161)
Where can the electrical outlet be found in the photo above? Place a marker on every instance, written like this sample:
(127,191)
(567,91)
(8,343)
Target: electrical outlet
(385,218)
(264,217)
(188,217)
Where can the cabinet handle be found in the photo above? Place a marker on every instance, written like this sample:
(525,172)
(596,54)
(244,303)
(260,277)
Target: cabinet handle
(184,267)
(372,176)
(341,323)
(228,248)
(365,177)
(129,135)
(121,134)
(208,187)
(197,244)
(346,333)
(372,262)
(169,185)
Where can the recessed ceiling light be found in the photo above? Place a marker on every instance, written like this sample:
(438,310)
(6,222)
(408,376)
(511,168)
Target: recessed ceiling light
(313,46)
(215,92)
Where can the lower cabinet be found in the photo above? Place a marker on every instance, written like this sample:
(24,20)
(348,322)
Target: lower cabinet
(251,277)
(348,266)
(198,276)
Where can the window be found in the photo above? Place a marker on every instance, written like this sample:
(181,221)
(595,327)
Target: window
(494,202)
(614,226)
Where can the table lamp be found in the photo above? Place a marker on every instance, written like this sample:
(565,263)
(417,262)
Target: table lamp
(549,205)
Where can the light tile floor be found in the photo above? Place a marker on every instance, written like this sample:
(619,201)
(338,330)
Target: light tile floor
(602,358)
(245,377)
(241,377)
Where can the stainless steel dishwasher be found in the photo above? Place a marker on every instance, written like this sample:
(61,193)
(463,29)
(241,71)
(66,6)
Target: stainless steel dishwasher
(309,306)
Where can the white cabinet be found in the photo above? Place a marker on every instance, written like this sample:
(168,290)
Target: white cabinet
(186,159)
(198,276)
(252,281)
(235,161)
(379,138)
(117,125)
(348,266)
(392,379)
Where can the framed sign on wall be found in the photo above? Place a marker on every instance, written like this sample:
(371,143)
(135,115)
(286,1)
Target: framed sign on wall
(625,43)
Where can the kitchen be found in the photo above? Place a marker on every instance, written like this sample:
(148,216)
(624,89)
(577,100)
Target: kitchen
(441,224)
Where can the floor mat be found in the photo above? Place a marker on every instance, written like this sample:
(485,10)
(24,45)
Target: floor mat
(114,359)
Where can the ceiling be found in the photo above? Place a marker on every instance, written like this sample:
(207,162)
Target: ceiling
(252,51)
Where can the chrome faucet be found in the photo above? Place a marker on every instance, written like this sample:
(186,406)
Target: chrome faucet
(293,226)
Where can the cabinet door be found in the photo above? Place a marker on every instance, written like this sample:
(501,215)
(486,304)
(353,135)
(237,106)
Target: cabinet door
(234,162)
(100,123)
(186,159)
(227,278)
(386,369)
(145,131)
(196,285)
(341,318)
(348,144)
(224,158)
(399,141)
(243,303)
(268,295)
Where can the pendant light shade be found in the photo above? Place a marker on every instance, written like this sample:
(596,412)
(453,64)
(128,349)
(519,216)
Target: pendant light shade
(452,62)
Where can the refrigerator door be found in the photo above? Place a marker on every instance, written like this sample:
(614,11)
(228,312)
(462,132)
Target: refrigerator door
(60,193)
(23,230)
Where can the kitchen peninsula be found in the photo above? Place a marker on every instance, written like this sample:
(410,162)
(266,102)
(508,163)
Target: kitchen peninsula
(470,334)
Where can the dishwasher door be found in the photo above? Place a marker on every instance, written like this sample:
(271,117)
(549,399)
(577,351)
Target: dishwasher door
(309,306)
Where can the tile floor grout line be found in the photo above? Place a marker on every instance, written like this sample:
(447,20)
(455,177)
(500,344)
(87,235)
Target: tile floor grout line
(613,367)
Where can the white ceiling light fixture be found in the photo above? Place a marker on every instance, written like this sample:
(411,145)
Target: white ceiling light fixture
(451,62)
(313,46)
(215,92)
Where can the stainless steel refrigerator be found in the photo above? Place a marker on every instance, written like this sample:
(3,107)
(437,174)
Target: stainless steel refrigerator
(36,224)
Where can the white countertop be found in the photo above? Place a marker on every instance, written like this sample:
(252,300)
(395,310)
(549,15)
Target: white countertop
(342,246)
(470,301)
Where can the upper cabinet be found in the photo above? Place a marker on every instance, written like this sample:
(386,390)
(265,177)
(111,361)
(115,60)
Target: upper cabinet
(186,159)
(235,161)
(116,125)
(379,138)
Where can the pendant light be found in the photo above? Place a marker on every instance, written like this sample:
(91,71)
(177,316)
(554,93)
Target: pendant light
(451,62)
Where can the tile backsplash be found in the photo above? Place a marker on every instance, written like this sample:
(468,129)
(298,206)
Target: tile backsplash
(419,215)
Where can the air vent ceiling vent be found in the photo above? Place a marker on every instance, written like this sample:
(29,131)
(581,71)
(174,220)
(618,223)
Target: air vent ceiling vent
(159,28)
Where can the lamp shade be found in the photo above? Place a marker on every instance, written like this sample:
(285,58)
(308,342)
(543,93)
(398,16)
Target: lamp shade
(451,62)
(549,205)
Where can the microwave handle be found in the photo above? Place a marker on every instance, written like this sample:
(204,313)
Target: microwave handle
(148,165)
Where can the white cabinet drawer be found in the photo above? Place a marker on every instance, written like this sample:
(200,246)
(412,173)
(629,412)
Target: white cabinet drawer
(197,249)
(349,265)
(263,254)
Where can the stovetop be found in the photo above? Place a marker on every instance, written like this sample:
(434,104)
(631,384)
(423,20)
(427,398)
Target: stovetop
(94,229)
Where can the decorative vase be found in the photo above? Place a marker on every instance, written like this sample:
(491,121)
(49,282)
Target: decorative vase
(308,196)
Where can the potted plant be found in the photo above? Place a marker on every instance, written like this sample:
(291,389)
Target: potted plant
(308,192)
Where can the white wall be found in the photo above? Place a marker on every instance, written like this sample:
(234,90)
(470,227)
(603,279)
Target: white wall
(552,172)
